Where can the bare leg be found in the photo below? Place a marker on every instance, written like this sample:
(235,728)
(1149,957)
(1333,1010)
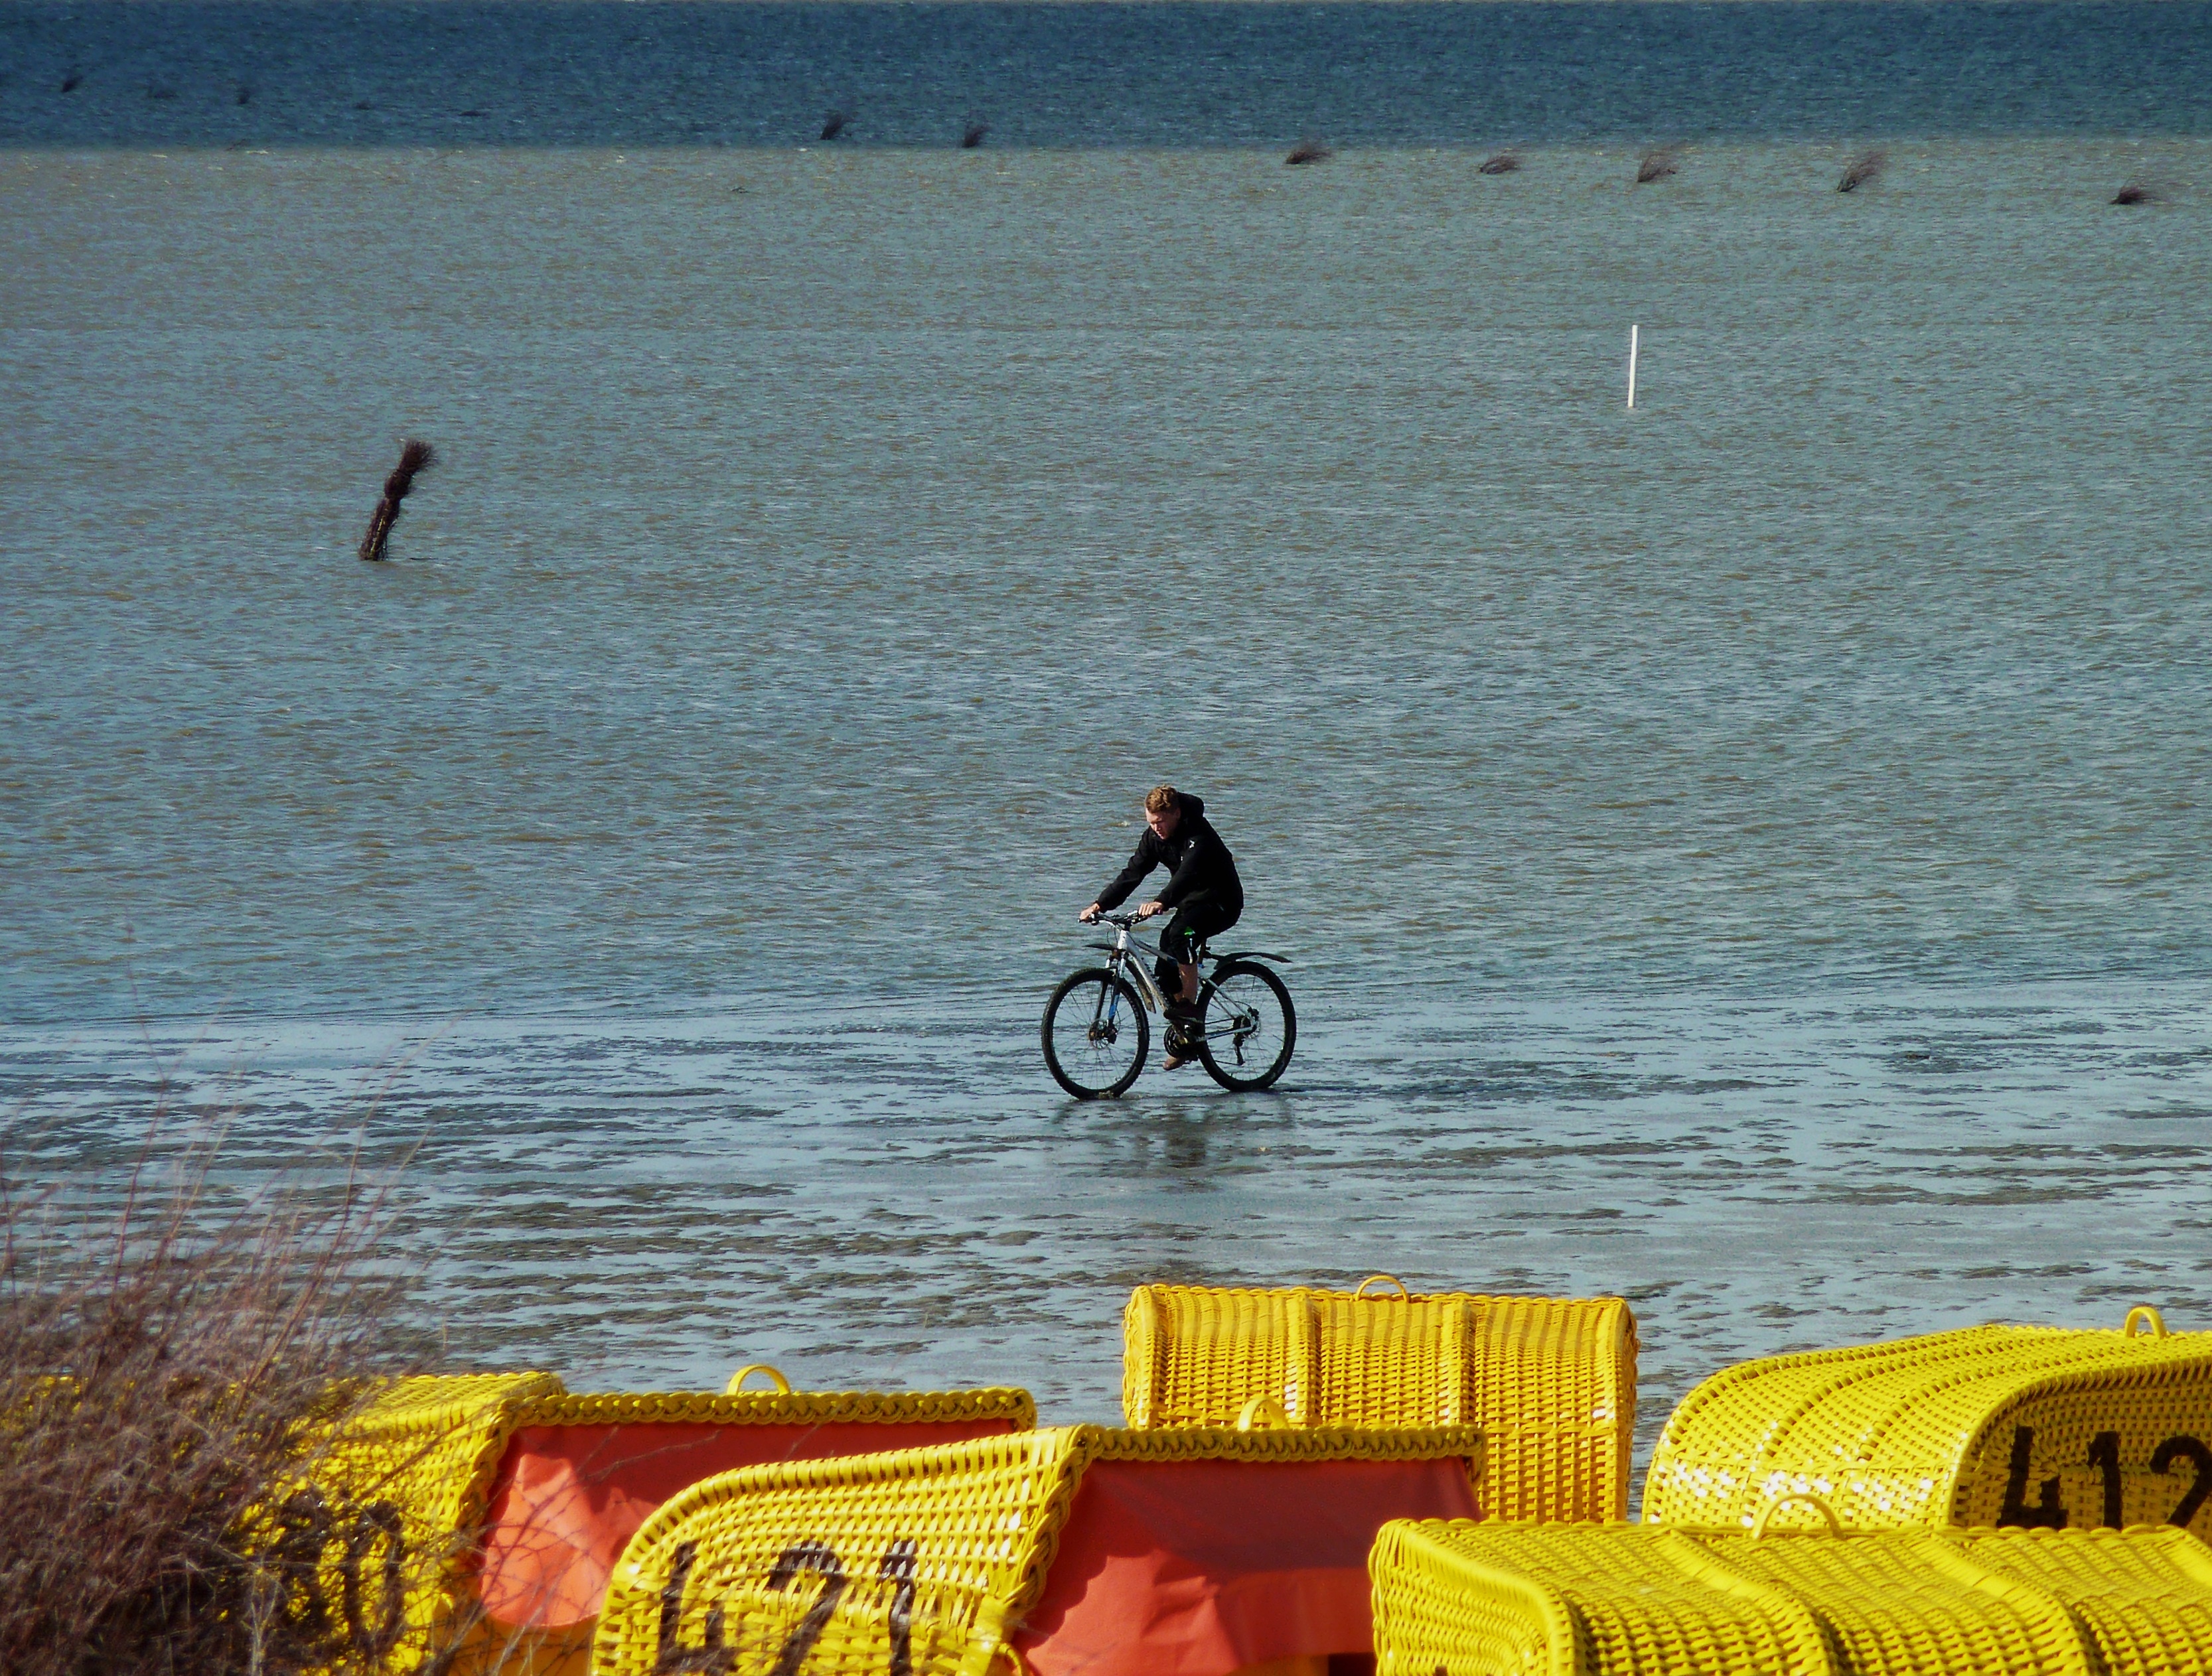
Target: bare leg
(1189,982)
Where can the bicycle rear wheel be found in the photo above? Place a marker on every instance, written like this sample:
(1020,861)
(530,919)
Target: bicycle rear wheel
(1249,1026)
(1096,1034)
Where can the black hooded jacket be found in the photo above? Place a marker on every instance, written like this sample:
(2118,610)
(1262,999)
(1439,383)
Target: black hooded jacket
(1196,857)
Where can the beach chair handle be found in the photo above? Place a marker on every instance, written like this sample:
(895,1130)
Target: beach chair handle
(1827,1513)
(736,1381)
(1262,1412)
(1404,1291)
(2143,1312)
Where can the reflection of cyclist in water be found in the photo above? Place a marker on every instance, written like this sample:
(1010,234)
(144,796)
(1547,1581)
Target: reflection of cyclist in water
(1203,889)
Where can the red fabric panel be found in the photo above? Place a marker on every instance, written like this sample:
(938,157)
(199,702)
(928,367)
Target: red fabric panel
(567,1498)
(1196,1567)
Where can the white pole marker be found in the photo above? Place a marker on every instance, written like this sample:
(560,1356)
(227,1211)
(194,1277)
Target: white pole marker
(1632,366)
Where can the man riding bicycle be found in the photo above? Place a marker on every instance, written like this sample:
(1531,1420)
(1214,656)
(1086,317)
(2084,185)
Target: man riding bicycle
(1202,888)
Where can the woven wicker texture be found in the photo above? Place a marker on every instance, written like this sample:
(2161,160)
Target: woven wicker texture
(1910,1600)
(768,1408)
(1563,1599)
(430,1448)
(1552,1382)
(1466,1598)
(414,1460)
(1993,1425)
(910,1561)
(2143,1597)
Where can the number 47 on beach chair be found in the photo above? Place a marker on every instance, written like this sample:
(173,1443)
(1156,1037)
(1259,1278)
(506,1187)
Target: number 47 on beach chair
(1077,1550)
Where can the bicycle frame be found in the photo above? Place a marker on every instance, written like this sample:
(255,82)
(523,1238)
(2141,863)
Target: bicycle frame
(1233,1017)
(1132,958)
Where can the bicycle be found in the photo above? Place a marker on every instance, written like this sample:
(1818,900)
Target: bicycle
(1097,1029)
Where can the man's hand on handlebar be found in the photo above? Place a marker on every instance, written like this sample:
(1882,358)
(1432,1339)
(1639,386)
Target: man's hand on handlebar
(1093,914)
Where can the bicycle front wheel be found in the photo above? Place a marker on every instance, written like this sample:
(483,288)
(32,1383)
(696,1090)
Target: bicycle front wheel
(1249,1027)
(1096,1034)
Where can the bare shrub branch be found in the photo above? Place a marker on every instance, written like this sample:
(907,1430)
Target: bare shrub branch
(170,1363)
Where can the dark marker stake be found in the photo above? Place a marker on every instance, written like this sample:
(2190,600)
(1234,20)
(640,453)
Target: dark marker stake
(1864,167)
(413,456)
(73,81)
(972,135)
(834,125)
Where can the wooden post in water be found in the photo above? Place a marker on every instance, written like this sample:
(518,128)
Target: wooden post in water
(1632,366)
(413,456)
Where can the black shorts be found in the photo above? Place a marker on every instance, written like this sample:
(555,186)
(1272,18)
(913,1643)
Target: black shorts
(1196,918)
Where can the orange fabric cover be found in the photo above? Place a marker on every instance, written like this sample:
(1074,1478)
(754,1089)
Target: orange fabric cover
(1197,1568)
(567,1498)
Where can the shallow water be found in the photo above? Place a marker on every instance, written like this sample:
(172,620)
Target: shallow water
(1748,852)
(888,1196)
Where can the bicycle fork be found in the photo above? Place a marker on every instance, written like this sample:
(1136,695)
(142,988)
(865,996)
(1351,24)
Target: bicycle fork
(1102,1016)
(1106,1017)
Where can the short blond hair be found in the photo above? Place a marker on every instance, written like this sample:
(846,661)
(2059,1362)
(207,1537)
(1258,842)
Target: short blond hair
(1161,799)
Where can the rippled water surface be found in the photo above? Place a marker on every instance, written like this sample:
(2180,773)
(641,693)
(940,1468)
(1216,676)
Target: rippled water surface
(1748,852)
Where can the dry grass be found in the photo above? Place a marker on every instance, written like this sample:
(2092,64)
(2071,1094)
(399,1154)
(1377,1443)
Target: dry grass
(834,125)
(971,136)
(166,1369)
(1657,164)
(1505,162)
(2135,192)
(1309,151)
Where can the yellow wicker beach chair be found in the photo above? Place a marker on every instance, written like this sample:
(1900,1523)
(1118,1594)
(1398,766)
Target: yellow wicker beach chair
(393,1501)
(427,1456)
(1605,1600)
(1571,1601)
(2030,1426)
(1552,1382)
(920,1562)
(2142,1596)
